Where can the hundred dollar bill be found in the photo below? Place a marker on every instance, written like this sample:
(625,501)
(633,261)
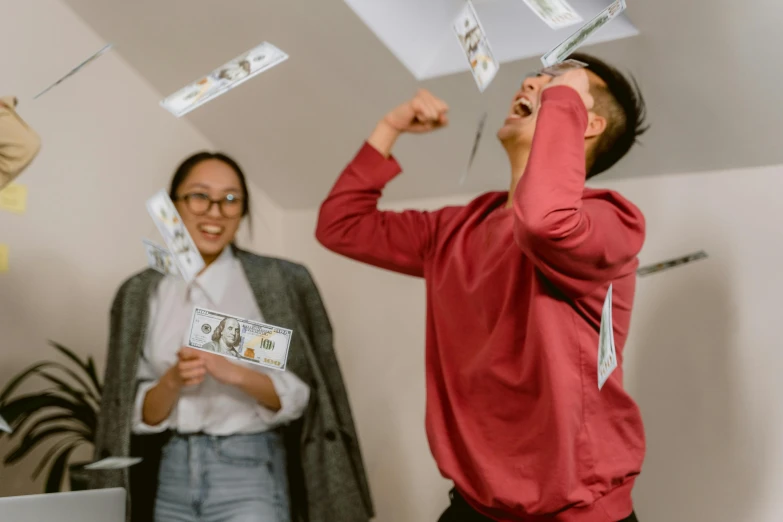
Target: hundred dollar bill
(562,67)
(239,338)
(607,353)
(159,258)
(476,47)
(564,49)
(473,151)
(224,78)
(671,263)
(178,240)
(556,13)
(76,69)
(4,426)
(113,463)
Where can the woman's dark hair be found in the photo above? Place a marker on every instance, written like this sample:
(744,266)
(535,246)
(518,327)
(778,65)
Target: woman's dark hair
(186,166)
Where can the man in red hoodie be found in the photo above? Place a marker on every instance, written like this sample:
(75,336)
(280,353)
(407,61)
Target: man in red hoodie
(516,283)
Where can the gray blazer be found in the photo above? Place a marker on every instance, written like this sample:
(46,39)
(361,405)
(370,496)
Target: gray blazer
(326,472)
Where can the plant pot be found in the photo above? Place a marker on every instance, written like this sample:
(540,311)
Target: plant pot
(78,477)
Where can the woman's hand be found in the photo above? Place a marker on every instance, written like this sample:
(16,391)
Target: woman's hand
(257,385)
(159,401)
(189,370)
(219,367)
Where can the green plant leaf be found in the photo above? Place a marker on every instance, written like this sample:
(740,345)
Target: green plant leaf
(94,376)
(68,353)
(55,479)
(19,409)
(32,440)
(83,419)
(60,417)
(85,366)
(84,386)
(57,446)
(68,388)
(76,421)
(36,369)
(16,381)
(41,422)
(87,415)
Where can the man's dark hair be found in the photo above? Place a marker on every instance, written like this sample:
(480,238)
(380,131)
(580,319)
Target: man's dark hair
(622,104)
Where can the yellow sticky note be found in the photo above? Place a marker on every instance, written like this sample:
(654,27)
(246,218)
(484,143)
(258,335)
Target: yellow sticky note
(3,258)
(13,198)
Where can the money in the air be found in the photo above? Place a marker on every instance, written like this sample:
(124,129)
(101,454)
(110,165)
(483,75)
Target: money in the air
(240,339)
(113,463)
(76,69)
(565,48)
(476,142)
(224,78)
(181,246)
(607,354)
(160,259)
(4,426)
(556,13)
(563,67)
(671,263)
(476,47)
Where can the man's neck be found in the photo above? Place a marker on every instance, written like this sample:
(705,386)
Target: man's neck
(518,160)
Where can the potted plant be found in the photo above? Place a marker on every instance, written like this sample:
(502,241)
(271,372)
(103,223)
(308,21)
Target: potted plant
(65,412)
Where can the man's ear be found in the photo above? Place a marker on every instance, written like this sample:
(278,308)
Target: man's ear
(596,125)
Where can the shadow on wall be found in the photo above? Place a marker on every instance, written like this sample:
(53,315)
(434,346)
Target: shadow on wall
(702,462)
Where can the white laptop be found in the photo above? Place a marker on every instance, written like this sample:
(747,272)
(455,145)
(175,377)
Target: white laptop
(97,505)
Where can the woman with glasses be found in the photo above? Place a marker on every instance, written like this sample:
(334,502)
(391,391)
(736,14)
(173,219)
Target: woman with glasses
(223,440)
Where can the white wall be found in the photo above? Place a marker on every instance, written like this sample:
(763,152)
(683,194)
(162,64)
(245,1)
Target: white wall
(704,353)
(107,147)
(702,358)
(378,318)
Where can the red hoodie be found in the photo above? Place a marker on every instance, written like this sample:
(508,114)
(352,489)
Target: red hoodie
(514,299)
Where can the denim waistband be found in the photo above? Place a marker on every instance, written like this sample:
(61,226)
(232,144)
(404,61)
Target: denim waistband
(200,434)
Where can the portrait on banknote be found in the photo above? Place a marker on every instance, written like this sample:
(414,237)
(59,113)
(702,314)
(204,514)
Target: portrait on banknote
(235,71)
(226,338)
(224,78)
(243,339)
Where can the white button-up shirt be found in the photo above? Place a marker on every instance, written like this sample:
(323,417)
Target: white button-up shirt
(210,407)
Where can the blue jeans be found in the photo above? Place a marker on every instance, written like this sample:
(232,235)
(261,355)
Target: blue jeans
(239,478)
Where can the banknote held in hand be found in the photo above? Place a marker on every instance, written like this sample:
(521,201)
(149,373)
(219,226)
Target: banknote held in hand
(240,339)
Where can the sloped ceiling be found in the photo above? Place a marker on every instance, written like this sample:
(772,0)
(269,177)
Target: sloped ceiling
(709,70)
(421,34)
